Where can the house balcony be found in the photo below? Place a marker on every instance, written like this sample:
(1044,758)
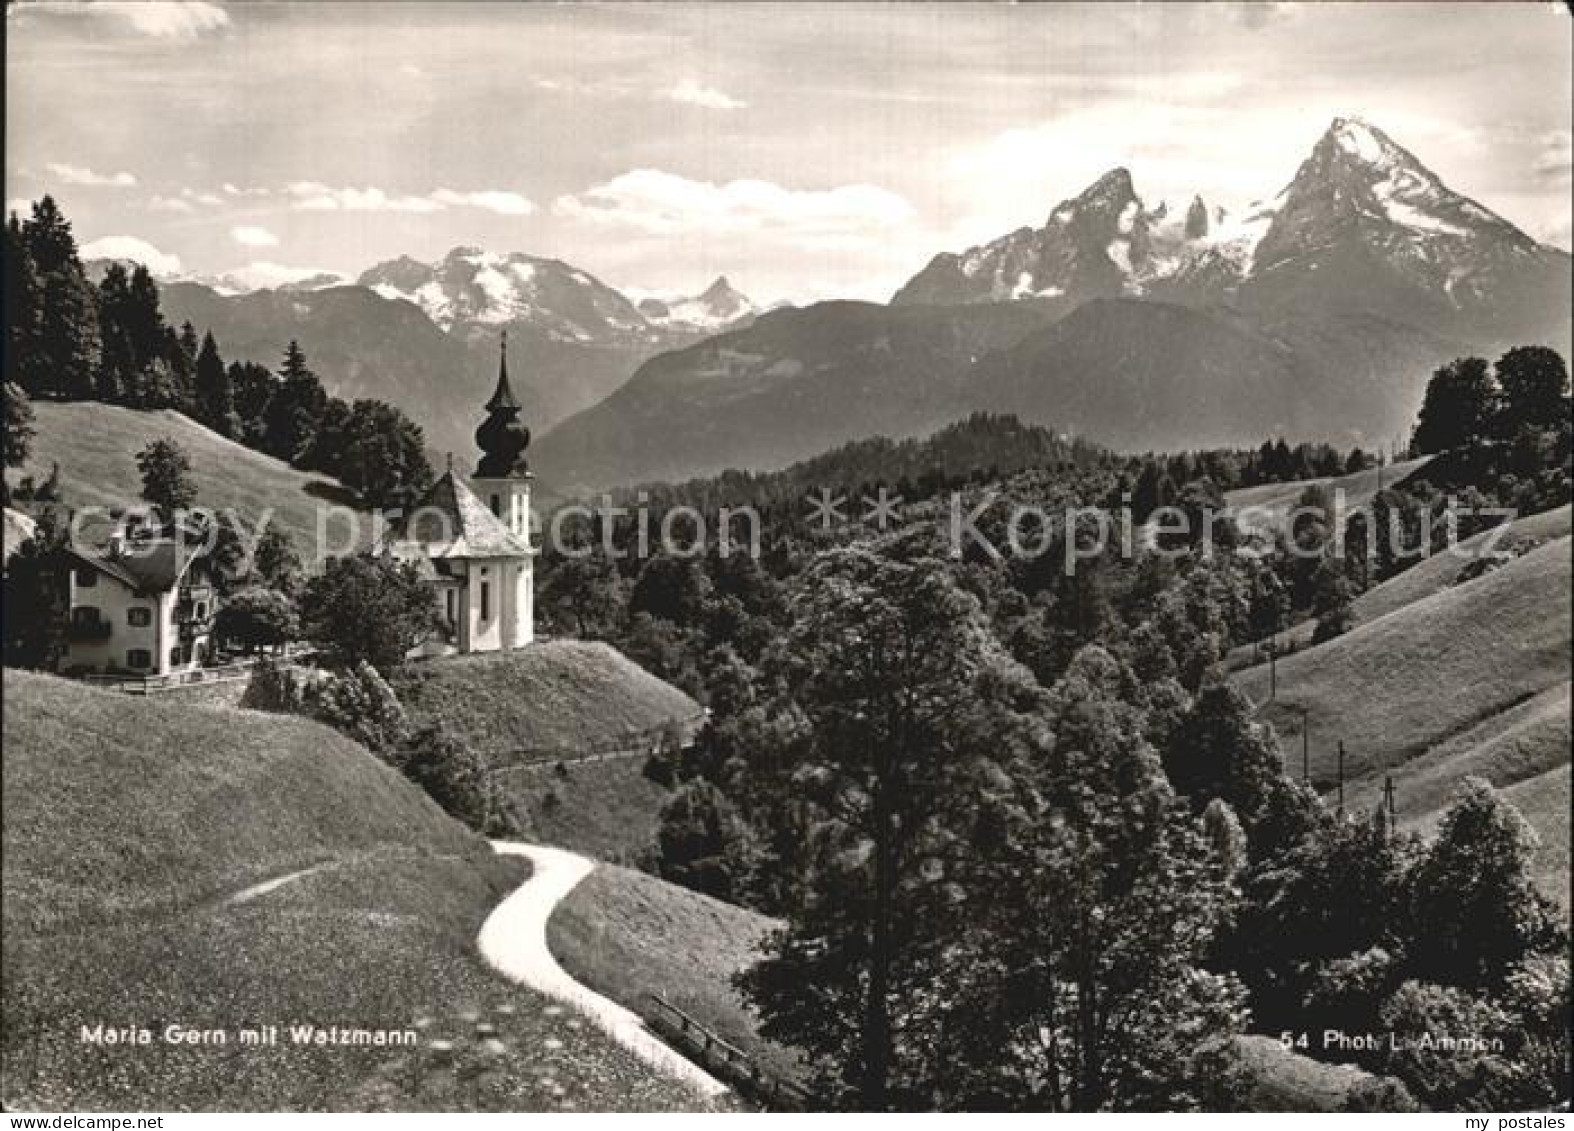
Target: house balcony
(84,631)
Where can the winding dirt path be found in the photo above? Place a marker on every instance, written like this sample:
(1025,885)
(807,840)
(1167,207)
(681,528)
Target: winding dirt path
(513,940)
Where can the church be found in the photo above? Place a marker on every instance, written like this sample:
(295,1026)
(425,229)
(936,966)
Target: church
(471,540)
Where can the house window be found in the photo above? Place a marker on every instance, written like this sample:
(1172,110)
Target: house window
(86,578)
(139,659)
(139,617)
(486,600)
(84,614)
(448,605)
(202,610)
(175,659)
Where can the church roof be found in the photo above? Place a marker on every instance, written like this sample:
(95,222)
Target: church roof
(450,522)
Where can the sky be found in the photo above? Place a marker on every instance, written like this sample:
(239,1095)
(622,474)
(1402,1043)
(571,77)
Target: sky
(806,151)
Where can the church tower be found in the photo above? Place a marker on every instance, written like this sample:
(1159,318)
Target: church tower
(502,482)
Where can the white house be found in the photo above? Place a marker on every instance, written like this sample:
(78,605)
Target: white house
(138,606)
(477,553)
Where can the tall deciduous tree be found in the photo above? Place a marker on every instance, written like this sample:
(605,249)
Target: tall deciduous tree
(367,608)
(1535,385)
(1457,408)
(1476,910)
(897,698)
(1085,988)
(167,482)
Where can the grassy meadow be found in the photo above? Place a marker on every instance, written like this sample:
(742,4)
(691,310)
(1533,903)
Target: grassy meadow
(556,699)
(129,828)
(96,446)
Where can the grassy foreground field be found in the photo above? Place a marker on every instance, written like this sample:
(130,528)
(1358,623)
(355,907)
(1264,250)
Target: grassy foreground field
(629,934)
(133,830)
(551,700)
(96,445)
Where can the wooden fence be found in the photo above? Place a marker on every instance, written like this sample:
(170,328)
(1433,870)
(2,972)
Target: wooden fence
(724,1060)
(636,744)
(197,677)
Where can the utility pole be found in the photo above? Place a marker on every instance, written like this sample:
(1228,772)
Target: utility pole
(1388,801)
(1341,777)
(1306,750)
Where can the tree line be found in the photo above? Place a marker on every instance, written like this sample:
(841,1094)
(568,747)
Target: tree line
(67,339)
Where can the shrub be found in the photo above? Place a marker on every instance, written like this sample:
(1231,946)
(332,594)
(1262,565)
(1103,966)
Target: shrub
(358,703)
(457,778)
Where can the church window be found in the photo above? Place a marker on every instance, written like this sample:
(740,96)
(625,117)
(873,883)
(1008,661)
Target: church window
(497,505)
(486,600)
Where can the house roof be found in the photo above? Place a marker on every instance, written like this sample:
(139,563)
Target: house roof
(148,565)
(450,522)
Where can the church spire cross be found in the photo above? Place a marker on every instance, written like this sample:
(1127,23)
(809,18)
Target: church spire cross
(503,395)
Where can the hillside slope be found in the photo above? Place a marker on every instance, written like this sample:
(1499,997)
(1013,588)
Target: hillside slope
(96,446)
(553,700)
(1433,575)
(1471,679)
(136,833)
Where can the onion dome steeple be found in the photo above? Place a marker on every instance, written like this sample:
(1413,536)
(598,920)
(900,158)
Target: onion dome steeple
(502,436)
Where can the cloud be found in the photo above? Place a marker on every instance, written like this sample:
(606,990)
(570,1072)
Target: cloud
(172,19)
(263,275)
(157,19)
(138,251)
(659,203)
(492,200)
(249,235)
(312,196)
(1553,163)
(185,203)
(694,94)
(82,175)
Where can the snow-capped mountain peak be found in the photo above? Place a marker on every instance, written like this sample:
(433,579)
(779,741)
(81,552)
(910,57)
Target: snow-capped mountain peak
(470,286)
(717,306)
(1360,207)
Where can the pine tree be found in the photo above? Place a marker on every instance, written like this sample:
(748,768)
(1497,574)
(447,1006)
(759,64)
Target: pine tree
(49,239)
(215,396)
(67,342)
(296,407)
(19,430)
(23,316)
